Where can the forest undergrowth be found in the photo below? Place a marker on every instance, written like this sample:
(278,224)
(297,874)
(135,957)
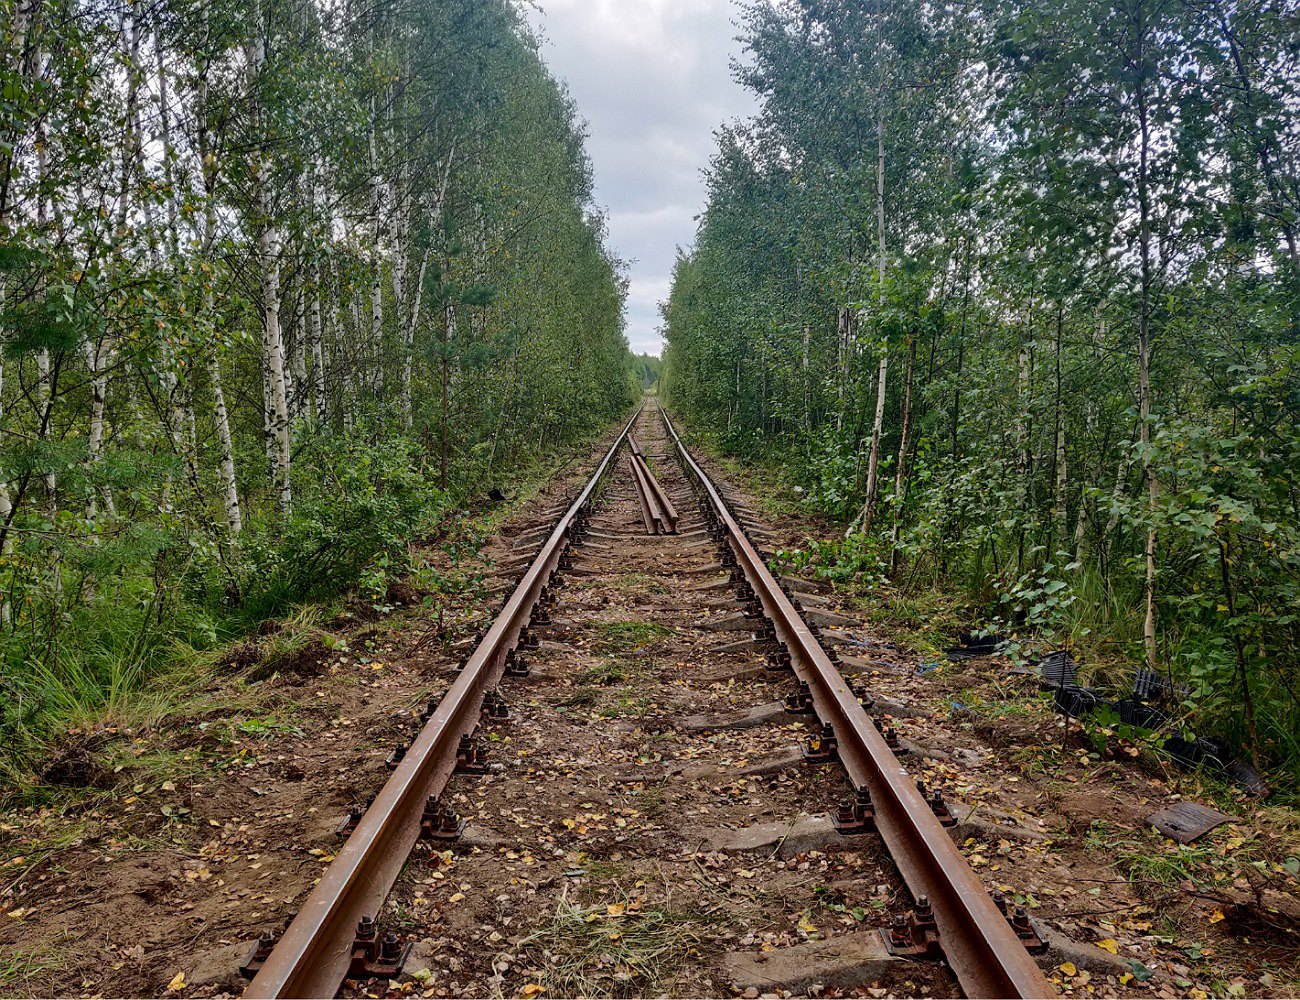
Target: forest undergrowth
(283,289)
(1013,292)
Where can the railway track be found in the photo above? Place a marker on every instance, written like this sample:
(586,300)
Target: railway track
(658,679)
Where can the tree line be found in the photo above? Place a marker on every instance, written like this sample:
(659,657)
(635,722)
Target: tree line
(278,279)
(1015,287)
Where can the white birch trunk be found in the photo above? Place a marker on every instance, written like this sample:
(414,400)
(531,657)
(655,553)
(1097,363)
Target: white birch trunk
(272,341)
(314,346)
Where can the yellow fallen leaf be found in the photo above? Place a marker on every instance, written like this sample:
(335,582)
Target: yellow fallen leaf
(1125,979)
(456,897)
(1108,944)
(807,926)
(177,983)
(1216,916)
(616,909)
(1068,968)
(17,913)
(531,990)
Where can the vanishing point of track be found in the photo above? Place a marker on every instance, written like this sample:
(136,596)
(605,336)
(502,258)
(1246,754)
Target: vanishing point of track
(335,936)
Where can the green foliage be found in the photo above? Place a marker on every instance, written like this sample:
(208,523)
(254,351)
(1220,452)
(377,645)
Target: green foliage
(1076,202)
(279,288)
(369,503)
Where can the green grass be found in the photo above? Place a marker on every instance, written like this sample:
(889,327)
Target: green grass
(18,969)
(638,583)
(268,727)
(1218,859)
(629,637)
(604,674)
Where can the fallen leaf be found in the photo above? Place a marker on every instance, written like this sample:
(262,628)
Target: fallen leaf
(1216,916)
(177,983)
(456,897)
(531,990)
(616,909)
(1108,944)
(1068,968)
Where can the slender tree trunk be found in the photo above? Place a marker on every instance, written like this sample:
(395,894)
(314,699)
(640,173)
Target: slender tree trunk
(44,367)
(301,388)
(1243,674)
(1059,504)
(95,361)
(904,442)
(208,168)
(272,342)
(1144,340)
(867,514)
(318,412)
(181,401)
(225,450)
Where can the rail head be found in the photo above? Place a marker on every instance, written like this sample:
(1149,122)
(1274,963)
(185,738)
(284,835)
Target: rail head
(313,956)
(981,948)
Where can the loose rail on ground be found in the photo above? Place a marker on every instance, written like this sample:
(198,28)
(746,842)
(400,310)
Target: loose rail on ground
(657,510)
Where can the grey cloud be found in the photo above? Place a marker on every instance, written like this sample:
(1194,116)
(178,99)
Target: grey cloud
(652,78)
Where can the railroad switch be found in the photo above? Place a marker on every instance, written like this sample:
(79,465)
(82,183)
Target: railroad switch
(470,757)
(439,822)
(258,954)
(496,708)
(801,702)
(1026,928)
(858,816)
(822,747)
(915,935)
(374,957)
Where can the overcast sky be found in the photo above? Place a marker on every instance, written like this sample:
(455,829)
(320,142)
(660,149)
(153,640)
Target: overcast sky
(653,80)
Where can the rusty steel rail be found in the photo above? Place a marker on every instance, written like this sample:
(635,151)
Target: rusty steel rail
(657,511)
(976,937)
(316,951)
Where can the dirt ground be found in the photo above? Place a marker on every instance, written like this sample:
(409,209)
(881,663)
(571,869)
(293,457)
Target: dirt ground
(635,837)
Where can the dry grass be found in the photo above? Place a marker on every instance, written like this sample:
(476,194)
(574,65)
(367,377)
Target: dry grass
(622,949)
